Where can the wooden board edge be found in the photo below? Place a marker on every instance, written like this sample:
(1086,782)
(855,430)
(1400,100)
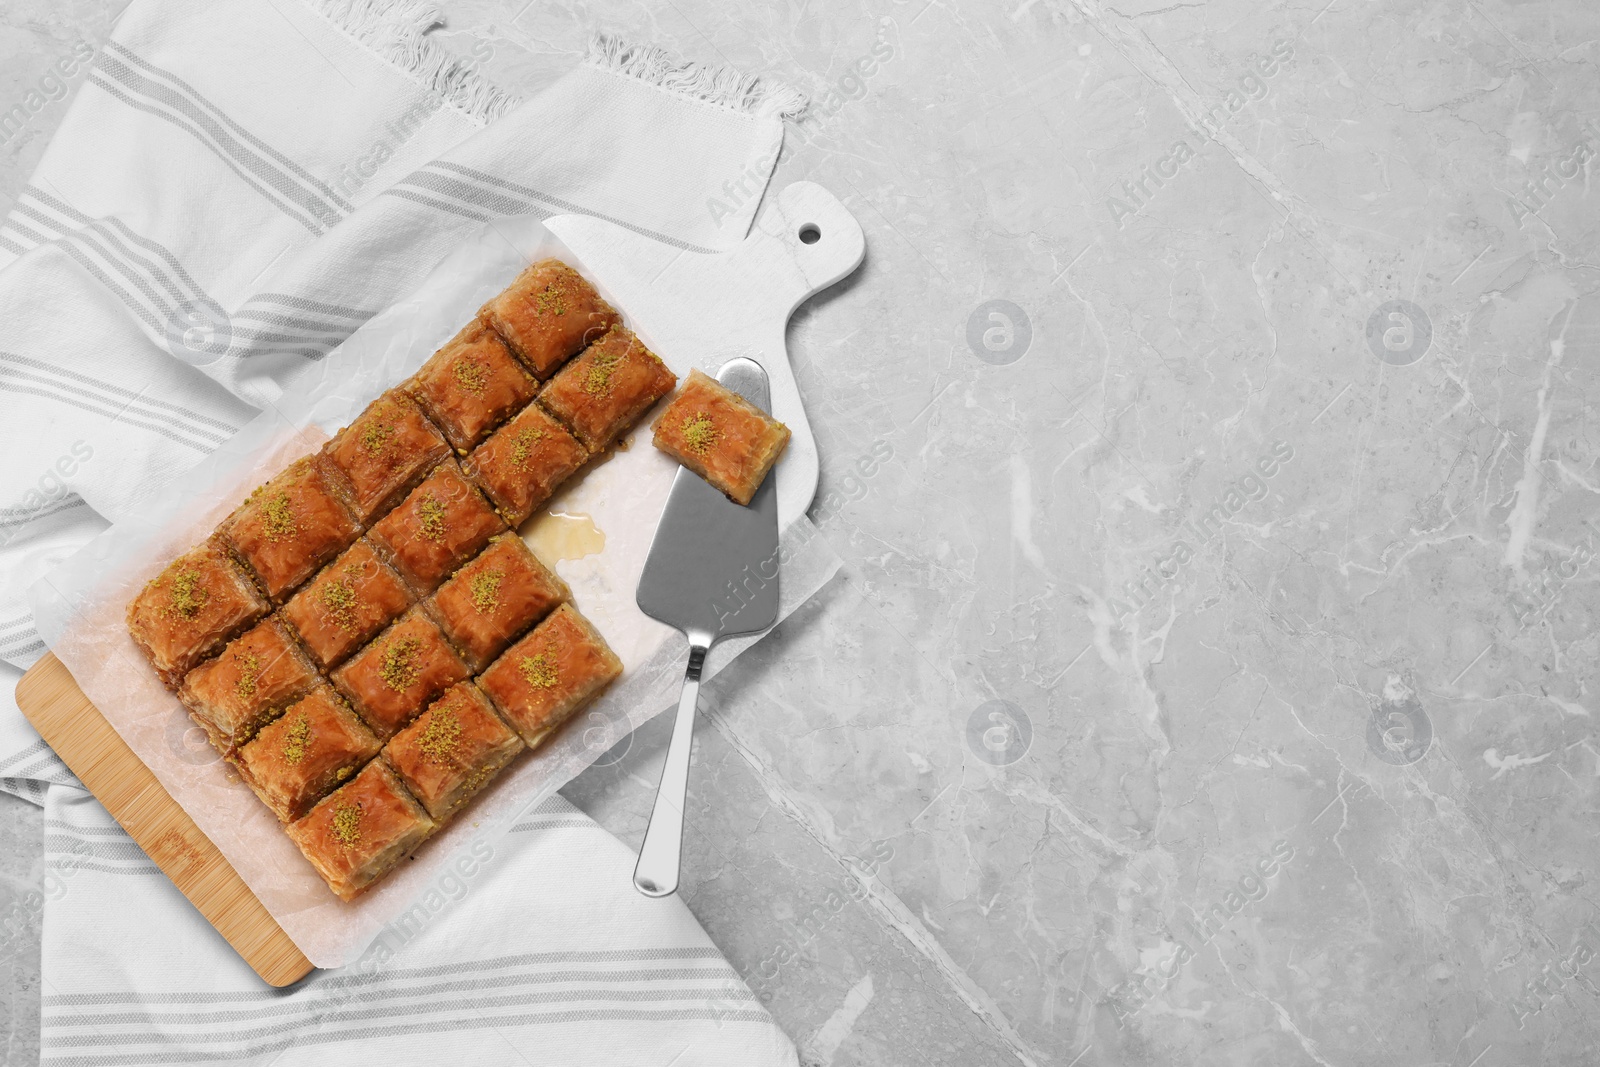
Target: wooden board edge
(91,747)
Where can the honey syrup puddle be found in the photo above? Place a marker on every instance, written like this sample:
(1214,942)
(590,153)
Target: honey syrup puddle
(561,535)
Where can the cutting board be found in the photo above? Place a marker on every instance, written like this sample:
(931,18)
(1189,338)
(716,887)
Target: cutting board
(803,242)
(103,762)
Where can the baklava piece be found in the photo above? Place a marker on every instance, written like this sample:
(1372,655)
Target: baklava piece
(188,611)
(452,750)
(721,436)
(391,680)
(353,598)
(489,602)
(548,315)
(604,391)
(383,454)
(305,753)
(523,463)
(539,682)
(441,525)
(471,385)
(248,685)
(290,527)
(357,833)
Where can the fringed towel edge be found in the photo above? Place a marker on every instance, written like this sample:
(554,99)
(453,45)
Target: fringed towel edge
(396,30)
(749,94)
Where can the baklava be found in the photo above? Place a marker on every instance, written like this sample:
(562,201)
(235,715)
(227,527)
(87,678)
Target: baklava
(391,680)
(441,525)
(188,611)
(452,750)
(248,685)
(488,603)
(383,454)
(471,385)
(353,598)
(418,645)
(305,753)
(290,527)
(547,315)
(605,390)
(539,682)
(357,833)
(720,436)
(524,462)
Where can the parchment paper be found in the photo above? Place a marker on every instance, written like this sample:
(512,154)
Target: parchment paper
(80,607)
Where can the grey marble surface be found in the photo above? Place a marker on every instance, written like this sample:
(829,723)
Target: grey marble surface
(1208,437)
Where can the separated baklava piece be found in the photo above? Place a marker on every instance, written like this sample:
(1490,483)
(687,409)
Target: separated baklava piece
(188,611)
(720,436)
(353,598)
(471,385)
(290,527)
(452,750)
(248,685)
(487,603)
(539,682)
(523,463)
(605,390)
(383,454)
(357,833)
(548,315)
(391,680)
(441,525)
(300,757)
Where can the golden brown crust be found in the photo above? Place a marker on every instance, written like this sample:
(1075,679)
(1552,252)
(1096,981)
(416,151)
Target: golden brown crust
(441,525)
(190,610)
(543,679)
(521,465)
(305,753)
(720,436)
(353,598)
(452,750)
(391,680)
(248,685)
(605,390)
(357,833)
(384,453)
(291,526)
(471,385)
(547,315)
(488,602)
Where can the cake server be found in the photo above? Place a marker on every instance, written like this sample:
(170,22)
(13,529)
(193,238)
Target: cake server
(712,572)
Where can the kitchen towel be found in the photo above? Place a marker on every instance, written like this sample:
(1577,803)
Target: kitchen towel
(235,189)
(539,951)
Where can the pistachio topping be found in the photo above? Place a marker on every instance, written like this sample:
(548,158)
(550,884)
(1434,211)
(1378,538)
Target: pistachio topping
(440,735)
(432,512)
(295,740)
(597,379)
(376,437)
(339,599)
(400,663)
(699,433)
(347,824)
(277,518)
(187,595)
(538,671)
(485,589)
(471,374)
(551,300)
(523,444)
(249,675)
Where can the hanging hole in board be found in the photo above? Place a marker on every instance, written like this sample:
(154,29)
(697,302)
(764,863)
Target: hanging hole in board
(809,234)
